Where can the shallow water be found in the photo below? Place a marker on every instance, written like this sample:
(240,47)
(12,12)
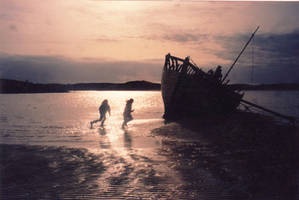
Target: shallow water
(63,119)
(131,166)
(118,164)
(284,102)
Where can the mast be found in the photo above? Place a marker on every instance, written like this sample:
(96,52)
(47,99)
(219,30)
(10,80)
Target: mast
(240,54)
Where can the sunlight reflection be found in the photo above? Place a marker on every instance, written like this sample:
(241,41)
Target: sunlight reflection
(147,114)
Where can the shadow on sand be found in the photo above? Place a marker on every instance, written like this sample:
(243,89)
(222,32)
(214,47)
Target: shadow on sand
(252,156)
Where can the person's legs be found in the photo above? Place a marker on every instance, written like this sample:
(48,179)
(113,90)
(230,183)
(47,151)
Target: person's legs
(124,122)
(101,117)
(94,121)
(129,118)
(103,120)
(97,120)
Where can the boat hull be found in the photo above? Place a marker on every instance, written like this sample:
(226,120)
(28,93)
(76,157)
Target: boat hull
(188,94)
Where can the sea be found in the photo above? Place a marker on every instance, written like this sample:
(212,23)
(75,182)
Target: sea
(50,134)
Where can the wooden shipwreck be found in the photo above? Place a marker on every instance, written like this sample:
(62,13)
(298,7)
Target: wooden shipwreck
(189,91)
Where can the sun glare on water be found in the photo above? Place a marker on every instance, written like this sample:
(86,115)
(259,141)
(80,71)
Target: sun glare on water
(147,114)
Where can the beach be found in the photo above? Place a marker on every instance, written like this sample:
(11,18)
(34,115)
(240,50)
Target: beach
(154,100)
(35,172)
(50,151)
(250,156)
(206,164)
(57,155)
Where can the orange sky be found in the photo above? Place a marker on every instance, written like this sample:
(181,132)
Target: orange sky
(139,31)
(125,30)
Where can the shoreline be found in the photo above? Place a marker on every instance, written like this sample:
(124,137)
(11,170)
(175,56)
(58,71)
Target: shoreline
(8,86)
(241,156)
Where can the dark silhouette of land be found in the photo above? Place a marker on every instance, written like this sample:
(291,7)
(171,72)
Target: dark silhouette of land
(278,86)
(15,86)
(132,85)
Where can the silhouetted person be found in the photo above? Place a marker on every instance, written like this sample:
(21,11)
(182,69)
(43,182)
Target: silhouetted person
(218,73)
(103,109)
(127,112)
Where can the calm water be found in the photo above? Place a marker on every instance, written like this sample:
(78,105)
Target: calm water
(284,102)
(63,118)
(129,164)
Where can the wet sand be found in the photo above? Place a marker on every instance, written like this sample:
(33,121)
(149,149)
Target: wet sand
(241,156)
(39,172)
(36,172)
(235,157)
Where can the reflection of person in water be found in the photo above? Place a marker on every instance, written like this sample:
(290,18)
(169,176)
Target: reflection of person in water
(127,112)
(127,139)
(103,109)
(104,140)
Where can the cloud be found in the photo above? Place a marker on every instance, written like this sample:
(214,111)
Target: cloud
(47,69)
(184,37)
(284,45)
(140,30)
(105,39)
(274,57)
(175,36)
(13,27)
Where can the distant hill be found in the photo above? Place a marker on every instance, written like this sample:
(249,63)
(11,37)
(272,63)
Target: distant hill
(14,86)
(132,85)
(279,86)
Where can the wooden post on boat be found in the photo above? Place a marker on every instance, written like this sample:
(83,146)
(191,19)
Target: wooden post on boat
(291,119)
(239,54)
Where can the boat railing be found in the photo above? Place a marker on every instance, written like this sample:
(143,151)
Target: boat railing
(179,65)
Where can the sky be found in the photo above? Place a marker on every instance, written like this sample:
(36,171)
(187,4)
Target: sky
(75,41)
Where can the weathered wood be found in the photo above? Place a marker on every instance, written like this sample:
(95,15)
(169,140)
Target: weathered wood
(190,91)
